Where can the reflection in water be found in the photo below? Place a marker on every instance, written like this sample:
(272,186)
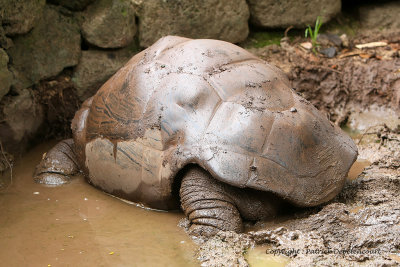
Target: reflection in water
(78,225)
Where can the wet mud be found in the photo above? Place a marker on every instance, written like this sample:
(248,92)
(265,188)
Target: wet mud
(354,81)
(78,225)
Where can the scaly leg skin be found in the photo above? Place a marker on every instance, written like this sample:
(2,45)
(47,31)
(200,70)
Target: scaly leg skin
(57,165)
(212,206)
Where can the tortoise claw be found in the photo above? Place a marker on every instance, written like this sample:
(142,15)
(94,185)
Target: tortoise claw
(51,179)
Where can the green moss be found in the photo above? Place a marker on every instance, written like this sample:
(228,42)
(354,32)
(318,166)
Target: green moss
(344,23)
(263,38)
(124,12)
(353,133)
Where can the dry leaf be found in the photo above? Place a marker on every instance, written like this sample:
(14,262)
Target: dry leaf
(313,58)
(349,54)
(365,55)
(306,45)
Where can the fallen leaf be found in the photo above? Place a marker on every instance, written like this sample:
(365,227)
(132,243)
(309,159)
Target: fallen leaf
(306,45)
(349,54)
(313,58)
(299,52)
(395,46)
(364,55)
(111,253)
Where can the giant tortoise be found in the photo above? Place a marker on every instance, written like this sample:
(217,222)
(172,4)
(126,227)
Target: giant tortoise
(205,125)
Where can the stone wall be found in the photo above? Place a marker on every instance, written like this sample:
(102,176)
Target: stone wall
(55,54)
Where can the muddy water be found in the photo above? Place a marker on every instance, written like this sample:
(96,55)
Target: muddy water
(258,257)
(78,225)
(358,168)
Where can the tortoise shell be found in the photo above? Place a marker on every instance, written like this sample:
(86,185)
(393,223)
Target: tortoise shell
(210,103)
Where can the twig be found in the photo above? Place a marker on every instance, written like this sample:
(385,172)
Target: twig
(9,164)
(287,30)
(366,131)
(330,69)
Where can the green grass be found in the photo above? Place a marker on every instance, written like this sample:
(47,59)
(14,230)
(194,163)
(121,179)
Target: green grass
(314,33)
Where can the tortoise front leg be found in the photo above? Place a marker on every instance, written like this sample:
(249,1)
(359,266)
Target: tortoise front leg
(58,164)
(211,205)
(207,204)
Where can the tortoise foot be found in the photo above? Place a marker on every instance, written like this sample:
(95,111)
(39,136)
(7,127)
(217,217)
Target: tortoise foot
(207,204)
(57,165)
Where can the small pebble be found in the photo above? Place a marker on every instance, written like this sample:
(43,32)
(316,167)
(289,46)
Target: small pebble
(293,110)
(329,52)
(85,199)
(293,236)
(36,193)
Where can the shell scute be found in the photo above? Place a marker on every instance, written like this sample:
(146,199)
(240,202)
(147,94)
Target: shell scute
(214,104)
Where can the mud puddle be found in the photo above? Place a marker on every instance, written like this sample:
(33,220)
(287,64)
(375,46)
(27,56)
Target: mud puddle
(262,256)
(78,225)
(358,168)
